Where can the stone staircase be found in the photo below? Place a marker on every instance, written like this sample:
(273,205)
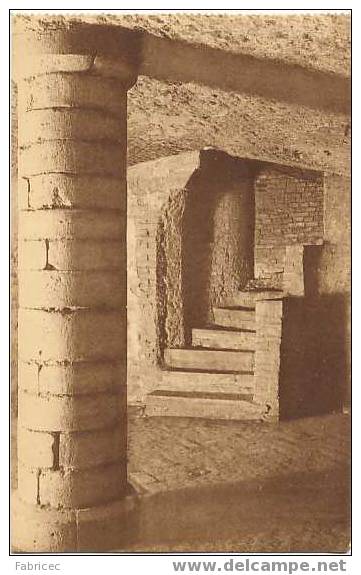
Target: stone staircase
(214,378)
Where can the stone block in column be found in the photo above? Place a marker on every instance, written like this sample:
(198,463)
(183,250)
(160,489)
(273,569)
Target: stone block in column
(269,314)
(72,84)
(293,275)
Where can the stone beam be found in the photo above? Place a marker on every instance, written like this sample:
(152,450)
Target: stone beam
(178,61)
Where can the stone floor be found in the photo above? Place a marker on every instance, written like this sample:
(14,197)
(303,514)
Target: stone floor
(254,487)
(240,487)
(168,453)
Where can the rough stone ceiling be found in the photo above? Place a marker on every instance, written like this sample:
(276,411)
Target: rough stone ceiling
(167,118)
(321,42)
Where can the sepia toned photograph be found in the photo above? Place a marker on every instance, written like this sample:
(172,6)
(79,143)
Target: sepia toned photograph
(180,282)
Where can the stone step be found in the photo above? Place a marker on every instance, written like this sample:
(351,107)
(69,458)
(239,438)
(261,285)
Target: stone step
(236,318)
(177,406)
(206,382)
(223,339)
(249,298)
(209,359)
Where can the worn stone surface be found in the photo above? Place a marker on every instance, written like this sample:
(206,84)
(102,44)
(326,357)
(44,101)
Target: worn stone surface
(151,187)
(335,267)
(289,214)
(65,317)
(64,413)
(71,191)
(85,449)
(56,289)
(235,318)
(190,117)
(213,360)
(79,335)
(205,453)
(69,156)
(35,449)
(77,378)
(72,256)
(268,316)
(319,41)
(52,530)
(74,489)
(67,123)
(228,340)
(296,211)
(159,405)
(201,382)
(184,462)
(293,275)
(193,460)
(217,236)
(86,92)
(187,250)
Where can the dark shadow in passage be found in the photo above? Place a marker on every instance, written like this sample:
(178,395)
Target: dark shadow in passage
(313,375)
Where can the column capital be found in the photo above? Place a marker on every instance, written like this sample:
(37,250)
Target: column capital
(46,46)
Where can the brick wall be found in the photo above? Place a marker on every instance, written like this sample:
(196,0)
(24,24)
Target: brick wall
(289,211)
(303,246)
(289,208)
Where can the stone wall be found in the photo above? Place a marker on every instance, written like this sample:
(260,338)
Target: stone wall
(269,324)
(327,271)
(316,340)
(218,233)
(303,241)
(155,200)
(190,244)
(313,376)
(14,249)
(334,266)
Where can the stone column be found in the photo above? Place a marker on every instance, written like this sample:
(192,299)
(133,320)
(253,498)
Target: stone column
(72,469)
